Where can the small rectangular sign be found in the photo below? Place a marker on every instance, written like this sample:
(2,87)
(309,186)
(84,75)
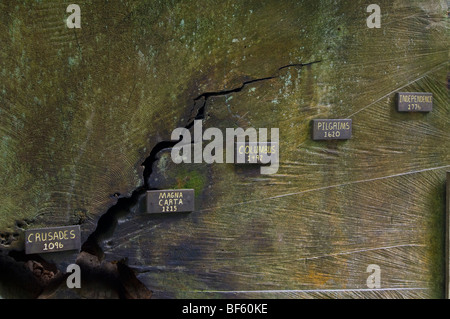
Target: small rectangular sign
(53,239)
(256,152)
(332,129)
(170,201)
(414,102)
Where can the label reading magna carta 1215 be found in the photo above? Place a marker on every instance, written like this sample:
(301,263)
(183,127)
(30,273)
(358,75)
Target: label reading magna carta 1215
(170,201)
(332,129)
(52,239)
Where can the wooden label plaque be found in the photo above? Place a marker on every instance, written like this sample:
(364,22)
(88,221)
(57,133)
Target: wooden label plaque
(54,239)
(170,201)
(414,102)
(255,153)
(332,129)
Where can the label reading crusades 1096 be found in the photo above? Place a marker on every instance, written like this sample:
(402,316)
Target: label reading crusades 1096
(53,239)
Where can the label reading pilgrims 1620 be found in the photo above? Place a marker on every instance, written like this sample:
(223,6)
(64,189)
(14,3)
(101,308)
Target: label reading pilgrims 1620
(54,239)
(170,201)
(331,129)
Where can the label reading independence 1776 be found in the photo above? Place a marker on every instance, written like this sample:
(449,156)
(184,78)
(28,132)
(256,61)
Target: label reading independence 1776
(414,102)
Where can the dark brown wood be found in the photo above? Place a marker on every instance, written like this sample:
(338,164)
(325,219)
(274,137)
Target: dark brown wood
(53,239)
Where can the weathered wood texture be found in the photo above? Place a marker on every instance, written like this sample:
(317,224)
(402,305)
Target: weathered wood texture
(447,237)
(80,110)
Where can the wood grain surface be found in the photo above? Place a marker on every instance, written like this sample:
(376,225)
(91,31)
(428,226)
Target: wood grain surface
(86,117)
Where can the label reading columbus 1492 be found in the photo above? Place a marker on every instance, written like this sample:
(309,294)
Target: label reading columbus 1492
(54,239)
(256,152)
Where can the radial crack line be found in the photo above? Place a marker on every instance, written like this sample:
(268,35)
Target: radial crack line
(105,219)
(399,88)
(309,290)
(359,251)
(327,187)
